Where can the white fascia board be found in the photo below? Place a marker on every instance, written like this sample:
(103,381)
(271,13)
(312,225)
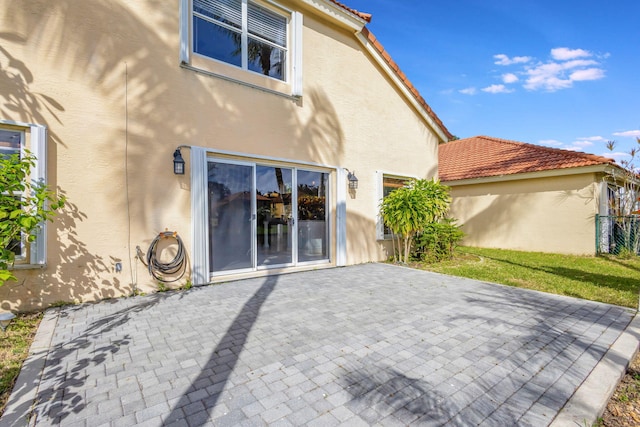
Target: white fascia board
(529,175)
(400,84)
(336,12)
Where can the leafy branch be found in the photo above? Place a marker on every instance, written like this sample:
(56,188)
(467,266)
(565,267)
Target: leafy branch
(24,206)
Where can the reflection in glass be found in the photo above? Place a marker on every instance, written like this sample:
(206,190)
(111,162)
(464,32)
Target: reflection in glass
(266,59)
(9,142)
(312,216)
(275,222)
(230,207)
(216,42)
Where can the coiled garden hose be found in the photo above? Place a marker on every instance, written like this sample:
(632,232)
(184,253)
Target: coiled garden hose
(159,269)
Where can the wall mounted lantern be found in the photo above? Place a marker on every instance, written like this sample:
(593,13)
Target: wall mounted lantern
(5,319)
(353,180)
(178,162)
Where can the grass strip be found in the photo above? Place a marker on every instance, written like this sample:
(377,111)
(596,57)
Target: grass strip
(14,349)
(606,279)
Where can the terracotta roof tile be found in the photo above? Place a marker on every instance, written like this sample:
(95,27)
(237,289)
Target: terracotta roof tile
(362,15)
(394,66)
(483,156)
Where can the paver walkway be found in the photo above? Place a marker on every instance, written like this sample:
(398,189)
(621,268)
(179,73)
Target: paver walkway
(362,345)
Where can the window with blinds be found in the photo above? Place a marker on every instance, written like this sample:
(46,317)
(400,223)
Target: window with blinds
(242,33)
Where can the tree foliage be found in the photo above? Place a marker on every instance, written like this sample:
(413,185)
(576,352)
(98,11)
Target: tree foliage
(624,182)
(409,209)
(24,206)
(437,241)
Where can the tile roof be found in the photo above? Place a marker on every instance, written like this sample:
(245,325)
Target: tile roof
(394,66)
(483,156)
(362,15)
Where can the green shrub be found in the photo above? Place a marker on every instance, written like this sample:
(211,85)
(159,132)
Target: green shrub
(437,241)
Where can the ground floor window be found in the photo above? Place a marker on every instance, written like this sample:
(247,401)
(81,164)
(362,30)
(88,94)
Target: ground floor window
(263,215)
(15,138)
(389,184)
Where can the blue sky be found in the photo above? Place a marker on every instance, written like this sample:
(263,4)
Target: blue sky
(560,73)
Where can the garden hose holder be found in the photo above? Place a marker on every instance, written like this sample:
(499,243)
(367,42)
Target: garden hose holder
(158,269)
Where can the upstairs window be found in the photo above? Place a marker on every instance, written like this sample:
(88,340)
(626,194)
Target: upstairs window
(241,33)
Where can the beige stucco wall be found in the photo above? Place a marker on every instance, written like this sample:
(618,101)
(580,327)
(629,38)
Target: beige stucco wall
(105,79)
(551,214)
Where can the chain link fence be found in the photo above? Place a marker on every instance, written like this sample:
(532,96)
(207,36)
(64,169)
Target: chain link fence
(618,235)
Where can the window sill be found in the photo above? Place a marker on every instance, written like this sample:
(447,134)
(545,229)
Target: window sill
(274,90)
(28,267)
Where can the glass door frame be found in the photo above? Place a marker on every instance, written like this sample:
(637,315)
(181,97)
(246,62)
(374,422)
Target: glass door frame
(294,210)
(294,206)
(254,255)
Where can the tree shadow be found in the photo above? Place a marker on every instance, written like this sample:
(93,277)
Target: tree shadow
(379,391)
(61,384)
(20,100)
(620,283)
(545,345)
(216,371)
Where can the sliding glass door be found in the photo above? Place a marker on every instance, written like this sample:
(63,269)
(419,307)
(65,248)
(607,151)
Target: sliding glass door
(274,186)
(264,216)
(231,206)
(312,215)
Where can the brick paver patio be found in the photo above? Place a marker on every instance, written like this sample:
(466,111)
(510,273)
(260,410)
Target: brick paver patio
(362,345)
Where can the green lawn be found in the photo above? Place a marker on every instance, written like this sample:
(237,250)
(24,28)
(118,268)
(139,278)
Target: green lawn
(14,348)
(606,279)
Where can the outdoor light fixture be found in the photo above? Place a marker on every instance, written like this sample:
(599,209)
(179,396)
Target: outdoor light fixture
(178,162)
(353,180)
(5,319)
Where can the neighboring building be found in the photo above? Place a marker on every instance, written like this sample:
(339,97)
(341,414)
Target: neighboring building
(513,195)
(274,105)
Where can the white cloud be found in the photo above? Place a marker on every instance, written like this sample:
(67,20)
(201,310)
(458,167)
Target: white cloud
(552,76)
(631,133)
(564,53)
(582,143)
(509,78)
(497,89)
(588,74)
(502,59)
(592,138)
(468,91)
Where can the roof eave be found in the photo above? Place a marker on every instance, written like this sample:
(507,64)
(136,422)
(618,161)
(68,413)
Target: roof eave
(327,7)
(602,168)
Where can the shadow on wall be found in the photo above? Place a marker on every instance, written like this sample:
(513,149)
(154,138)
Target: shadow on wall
(72,275)
(491,224)
(321,134)
(362,245)
(515,209)
(133,70)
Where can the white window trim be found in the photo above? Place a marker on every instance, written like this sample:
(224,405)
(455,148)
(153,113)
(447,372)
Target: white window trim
(200,214)
(38,147)
(294,56)
(380,175)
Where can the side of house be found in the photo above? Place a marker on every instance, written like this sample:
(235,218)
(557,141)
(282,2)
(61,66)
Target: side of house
(512,195)
(272,105)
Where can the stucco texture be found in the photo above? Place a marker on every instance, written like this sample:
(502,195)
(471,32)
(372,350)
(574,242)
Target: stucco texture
(106,81)
(551,214)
